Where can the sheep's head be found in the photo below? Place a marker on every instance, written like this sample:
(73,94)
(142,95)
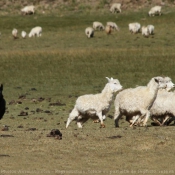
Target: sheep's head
(169,83)
(114,84)
(161,82)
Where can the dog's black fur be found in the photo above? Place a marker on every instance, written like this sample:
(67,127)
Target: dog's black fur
(2,103)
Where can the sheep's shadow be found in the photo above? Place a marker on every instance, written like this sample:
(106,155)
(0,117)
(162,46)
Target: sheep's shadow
(115,137)
(6,135)
(4,155)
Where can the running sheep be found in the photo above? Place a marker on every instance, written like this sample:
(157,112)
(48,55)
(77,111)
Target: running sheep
(137,101)
(89,31)
(155,11)
(163,107)
(36,31)
(28,10)
(156,111)
(94,105)
(98,26)
(115,8)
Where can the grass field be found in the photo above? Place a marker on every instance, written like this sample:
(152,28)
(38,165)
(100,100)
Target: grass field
(64,64)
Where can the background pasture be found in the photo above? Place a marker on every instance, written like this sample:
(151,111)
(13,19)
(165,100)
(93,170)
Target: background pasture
(63,64)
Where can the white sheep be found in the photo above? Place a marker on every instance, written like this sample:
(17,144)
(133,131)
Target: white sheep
(98,26)
(137,101)
(15,33)
(23,34)
(163,107)
(94,105)
(155,11)
(28,10)
(150,29)
(155,109)
(115,8)
(145,31)
(89,31)
(113,25)
(134,27)
(36,31)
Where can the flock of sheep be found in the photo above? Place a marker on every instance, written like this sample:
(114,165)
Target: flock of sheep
(133,27)
(89,31)
(36,31)
(137,104)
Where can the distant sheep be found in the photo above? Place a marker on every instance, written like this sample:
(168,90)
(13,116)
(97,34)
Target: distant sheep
(137,101)
(36,31)
(108,29)
(94,105)
(98,26)
(150,29)
(155,11)
(113,25)
(23,34)
(2,103)
(134,27)
(28,10)
(89,31)
(115,8)
(15,33)
(145,31)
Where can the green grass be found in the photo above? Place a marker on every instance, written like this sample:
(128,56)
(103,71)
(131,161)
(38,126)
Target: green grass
(63,64)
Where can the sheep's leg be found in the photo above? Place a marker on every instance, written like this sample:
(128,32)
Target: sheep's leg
(135,119)
(166,118)
(99,114)
(157,121)
(97,121)
(80,121)
(147,115)
(79,124)
(72,116)
(117,116)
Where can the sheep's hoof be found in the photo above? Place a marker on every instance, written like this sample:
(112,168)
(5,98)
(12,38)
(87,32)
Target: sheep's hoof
(102,126)
(96,121)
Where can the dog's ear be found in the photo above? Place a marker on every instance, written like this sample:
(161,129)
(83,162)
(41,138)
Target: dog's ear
(1,87)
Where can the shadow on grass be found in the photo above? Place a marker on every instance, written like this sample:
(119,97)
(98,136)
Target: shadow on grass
(6,135)
(115,137)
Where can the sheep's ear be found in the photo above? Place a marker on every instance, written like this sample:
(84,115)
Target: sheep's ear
(156,80)
(112,79)
(108,79)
